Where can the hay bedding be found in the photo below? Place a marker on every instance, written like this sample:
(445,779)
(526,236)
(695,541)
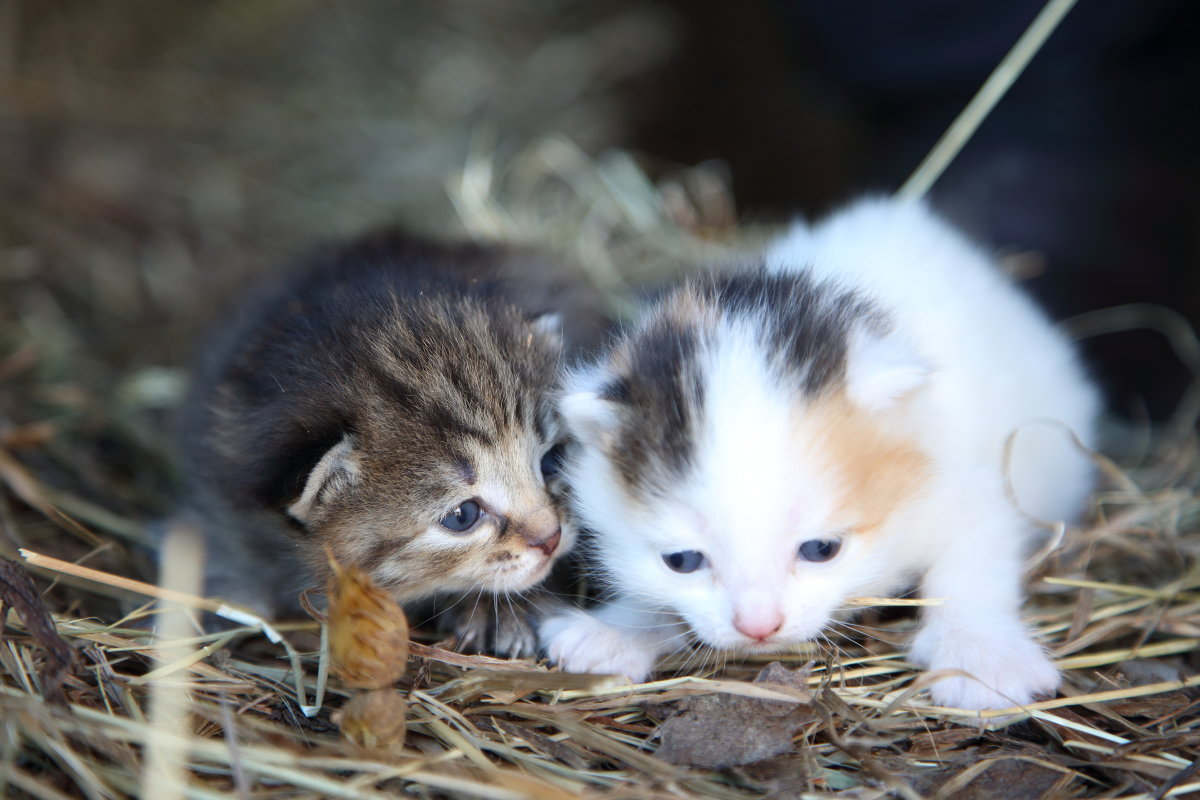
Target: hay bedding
(84,690)
(99,699)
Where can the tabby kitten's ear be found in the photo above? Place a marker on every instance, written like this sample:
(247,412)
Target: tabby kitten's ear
(336,471)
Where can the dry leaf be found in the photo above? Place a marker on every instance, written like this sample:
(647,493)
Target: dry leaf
(375,718)
(368,632)
(1010,778)
(1139,672)
(721,730)
(936,745)
(779,777)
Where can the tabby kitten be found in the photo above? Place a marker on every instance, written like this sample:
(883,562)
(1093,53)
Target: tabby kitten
(387,402)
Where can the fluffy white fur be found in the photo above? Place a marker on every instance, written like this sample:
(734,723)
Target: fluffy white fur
(970,364)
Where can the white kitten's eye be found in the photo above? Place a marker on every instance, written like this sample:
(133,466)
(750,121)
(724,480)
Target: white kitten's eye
(463,517)
(820,549)
(684,561)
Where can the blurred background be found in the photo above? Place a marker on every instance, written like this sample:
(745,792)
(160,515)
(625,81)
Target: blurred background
(154,157)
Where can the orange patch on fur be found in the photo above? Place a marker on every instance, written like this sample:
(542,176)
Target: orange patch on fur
(876,470)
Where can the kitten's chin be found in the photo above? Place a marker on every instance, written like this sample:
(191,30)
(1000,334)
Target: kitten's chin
(522,579)
(770,646)
(789,642)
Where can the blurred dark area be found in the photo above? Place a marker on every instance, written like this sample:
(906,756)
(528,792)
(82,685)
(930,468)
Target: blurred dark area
(1090,162)
(154,157)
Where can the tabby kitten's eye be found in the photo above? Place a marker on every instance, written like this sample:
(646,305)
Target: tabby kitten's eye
(463,517)
(684,561)
(552,461)
(820,549)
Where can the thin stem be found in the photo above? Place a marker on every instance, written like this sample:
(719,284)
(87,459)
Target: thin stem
(994,88)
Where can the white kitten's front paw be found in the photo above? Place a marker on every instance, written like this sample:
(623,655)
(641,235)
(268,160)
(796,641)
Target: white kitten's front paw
(1008,669)
(579,642)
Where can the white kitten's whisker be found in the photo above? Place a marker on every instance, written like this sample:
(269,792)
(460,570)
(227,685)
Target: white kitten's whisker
(709,659)
(684,642)
(836,654)
(800,650)
(698,654)
(685,667)
(866,629)
(831,643)
(840,629)
(676,642)
(830,646)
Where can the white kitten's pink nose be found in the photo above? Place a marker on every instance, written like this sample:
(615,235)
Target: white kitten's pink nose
(760,625)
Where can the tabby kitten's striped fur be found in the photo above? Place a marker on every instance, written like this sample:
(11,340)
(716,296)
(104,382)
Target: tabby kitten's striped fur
(389,401)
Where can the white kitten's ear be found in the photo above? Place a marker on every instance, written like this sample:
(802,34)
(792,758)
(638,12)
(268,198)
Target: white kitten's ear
(337,470)
(589,417)
(549,327)
(882,370)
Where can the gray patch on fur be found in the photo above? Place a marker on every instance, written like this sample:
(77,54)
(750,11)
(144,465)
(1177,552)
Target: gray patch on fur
(804,328)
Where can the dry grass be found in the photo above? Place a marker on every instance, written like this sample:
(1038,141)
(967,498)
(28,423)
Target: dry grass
(104,264)
(1116,603)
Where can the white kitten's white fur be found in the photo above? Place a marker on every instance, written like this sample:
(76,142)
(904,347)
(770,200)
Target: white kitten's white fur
(969,364)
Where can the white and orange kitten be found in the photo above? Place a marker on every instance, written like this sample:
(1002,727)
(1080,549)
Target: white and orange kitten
(764,446)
